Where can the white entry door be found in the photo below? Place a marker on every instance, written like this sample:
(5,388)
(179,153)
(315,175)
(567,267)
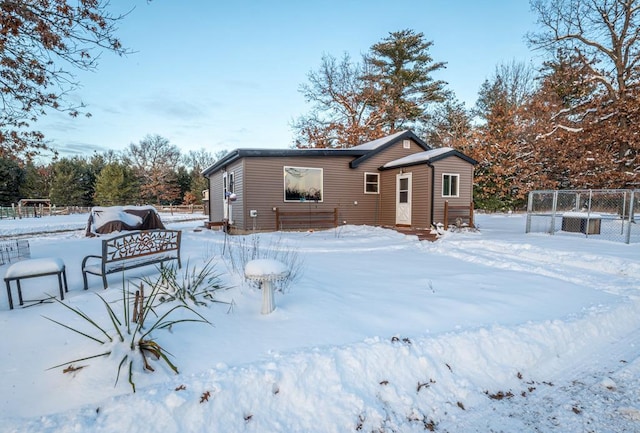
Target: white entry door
(403,199)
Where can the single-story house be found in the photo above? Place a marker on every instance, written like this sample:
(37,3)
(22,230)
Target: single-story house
(398,180)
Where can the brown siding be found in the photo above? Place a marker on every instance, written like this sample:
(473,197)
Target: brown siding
(452,165)
(342,187)
(420,196)
(259,184)
(216,192)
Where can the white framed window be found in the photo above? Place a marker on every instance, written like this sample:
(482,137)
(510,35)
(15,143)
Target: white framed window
(406,144)
(372,183)
(303,184)
(450,185)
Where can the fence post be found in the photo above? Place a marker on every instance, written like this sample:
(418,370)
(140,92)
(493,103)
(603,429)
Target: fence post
(471,215)
(446,214)
(586,229)
(529,210)
(277,218)
(554,207)
(335,217)
(631,216)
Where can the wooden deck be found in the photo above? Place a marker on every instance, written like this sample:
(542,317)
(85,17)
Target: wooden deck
(422,234)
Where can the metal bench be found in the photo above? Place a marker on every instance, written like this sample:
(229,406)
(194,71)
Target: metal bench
(132,250)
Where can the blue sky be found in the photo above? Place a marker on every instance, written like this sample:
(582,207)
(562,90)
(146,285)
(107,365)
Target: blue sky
(222,75)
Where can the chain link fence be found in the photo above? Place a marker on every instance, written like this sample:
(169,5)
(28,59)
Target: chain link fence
(608,214)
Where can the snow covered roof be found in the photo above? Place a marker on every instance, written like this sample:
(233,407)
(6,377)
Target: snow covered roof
(379,142)
(360,153)
(426,157)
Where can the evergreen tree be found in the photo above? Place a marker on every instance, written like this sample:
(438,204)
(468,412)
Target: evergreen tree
(11,177)
(115,185)
(72,183)
(401,74)
(37,181)
(392,88)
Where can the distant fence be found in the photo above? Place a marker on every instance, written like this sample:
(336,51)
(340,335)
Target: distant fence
(17,212)
(609,214)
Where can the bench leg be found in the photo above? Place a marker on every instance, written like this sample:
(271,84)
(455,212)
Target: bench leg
(9,295)
(60,285)
(104,281)
(84,277)
(64,277)
(19,292)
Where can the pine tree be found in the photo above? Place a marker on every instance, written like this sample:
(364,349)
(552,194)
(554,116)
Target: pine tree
(115,186)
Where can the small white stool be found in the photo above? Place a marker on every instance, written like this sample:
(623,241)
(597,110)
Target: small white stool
(33,268)
(266,271)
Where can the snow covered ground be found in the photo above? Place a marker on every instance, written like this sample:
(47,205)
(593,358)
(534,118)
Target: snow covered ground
(485,331)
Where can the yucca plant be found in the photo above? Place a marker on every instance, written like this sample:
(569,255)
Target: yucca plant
(128,338)
(191,286)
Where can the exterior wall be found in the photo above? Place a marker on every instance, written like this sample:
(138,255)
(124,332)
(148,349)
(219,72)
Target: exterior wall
(420,196)
(343,188)
(452,165)
(259,185)
(216,205)
(264,191)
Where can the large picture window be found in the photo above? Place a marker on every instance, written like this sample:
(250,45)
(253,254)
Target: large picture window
(450,184)
(303,184)
(371,183)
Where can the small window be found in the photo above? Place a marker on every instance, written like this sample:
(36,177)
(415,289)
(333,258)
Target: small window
(371,183)
(406,144)
(450,184)
(303,184)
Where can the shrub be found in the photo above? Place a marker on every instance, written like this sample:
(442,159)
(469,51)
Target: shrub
(241,250)
(191,286)
(128,339)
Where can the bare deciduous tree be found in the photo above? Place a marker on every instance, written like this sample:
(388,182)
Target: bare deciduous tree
(38,40)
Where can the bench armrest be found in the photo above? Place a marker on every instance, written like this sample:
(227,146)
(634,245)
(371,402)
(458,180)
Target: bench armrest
(84,261)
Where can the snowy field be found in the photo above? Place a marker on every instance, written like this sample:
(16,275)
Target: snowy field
(486,331)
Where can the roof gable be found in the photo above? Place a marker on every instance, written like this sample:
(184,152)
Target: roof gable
(376,146)
(360,153)
(427,157)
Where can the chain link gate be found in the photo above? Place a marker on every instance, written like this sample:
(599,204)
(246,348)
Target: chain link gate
(607,214)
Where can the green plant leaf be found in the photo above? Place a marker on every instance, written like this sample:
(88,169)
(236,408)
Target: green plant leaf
(79,360)
(75,330)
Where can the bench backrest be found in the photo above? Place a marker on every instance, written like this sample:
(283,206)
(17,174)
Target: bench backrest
(139,244)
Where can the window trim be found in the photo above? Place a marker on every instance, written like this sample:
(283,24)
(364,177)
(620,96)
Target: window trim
(457,192)
(302,200)
(377,182)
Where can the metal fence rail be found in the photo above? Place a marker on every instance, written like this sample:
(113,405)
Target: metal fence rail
(604,214)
